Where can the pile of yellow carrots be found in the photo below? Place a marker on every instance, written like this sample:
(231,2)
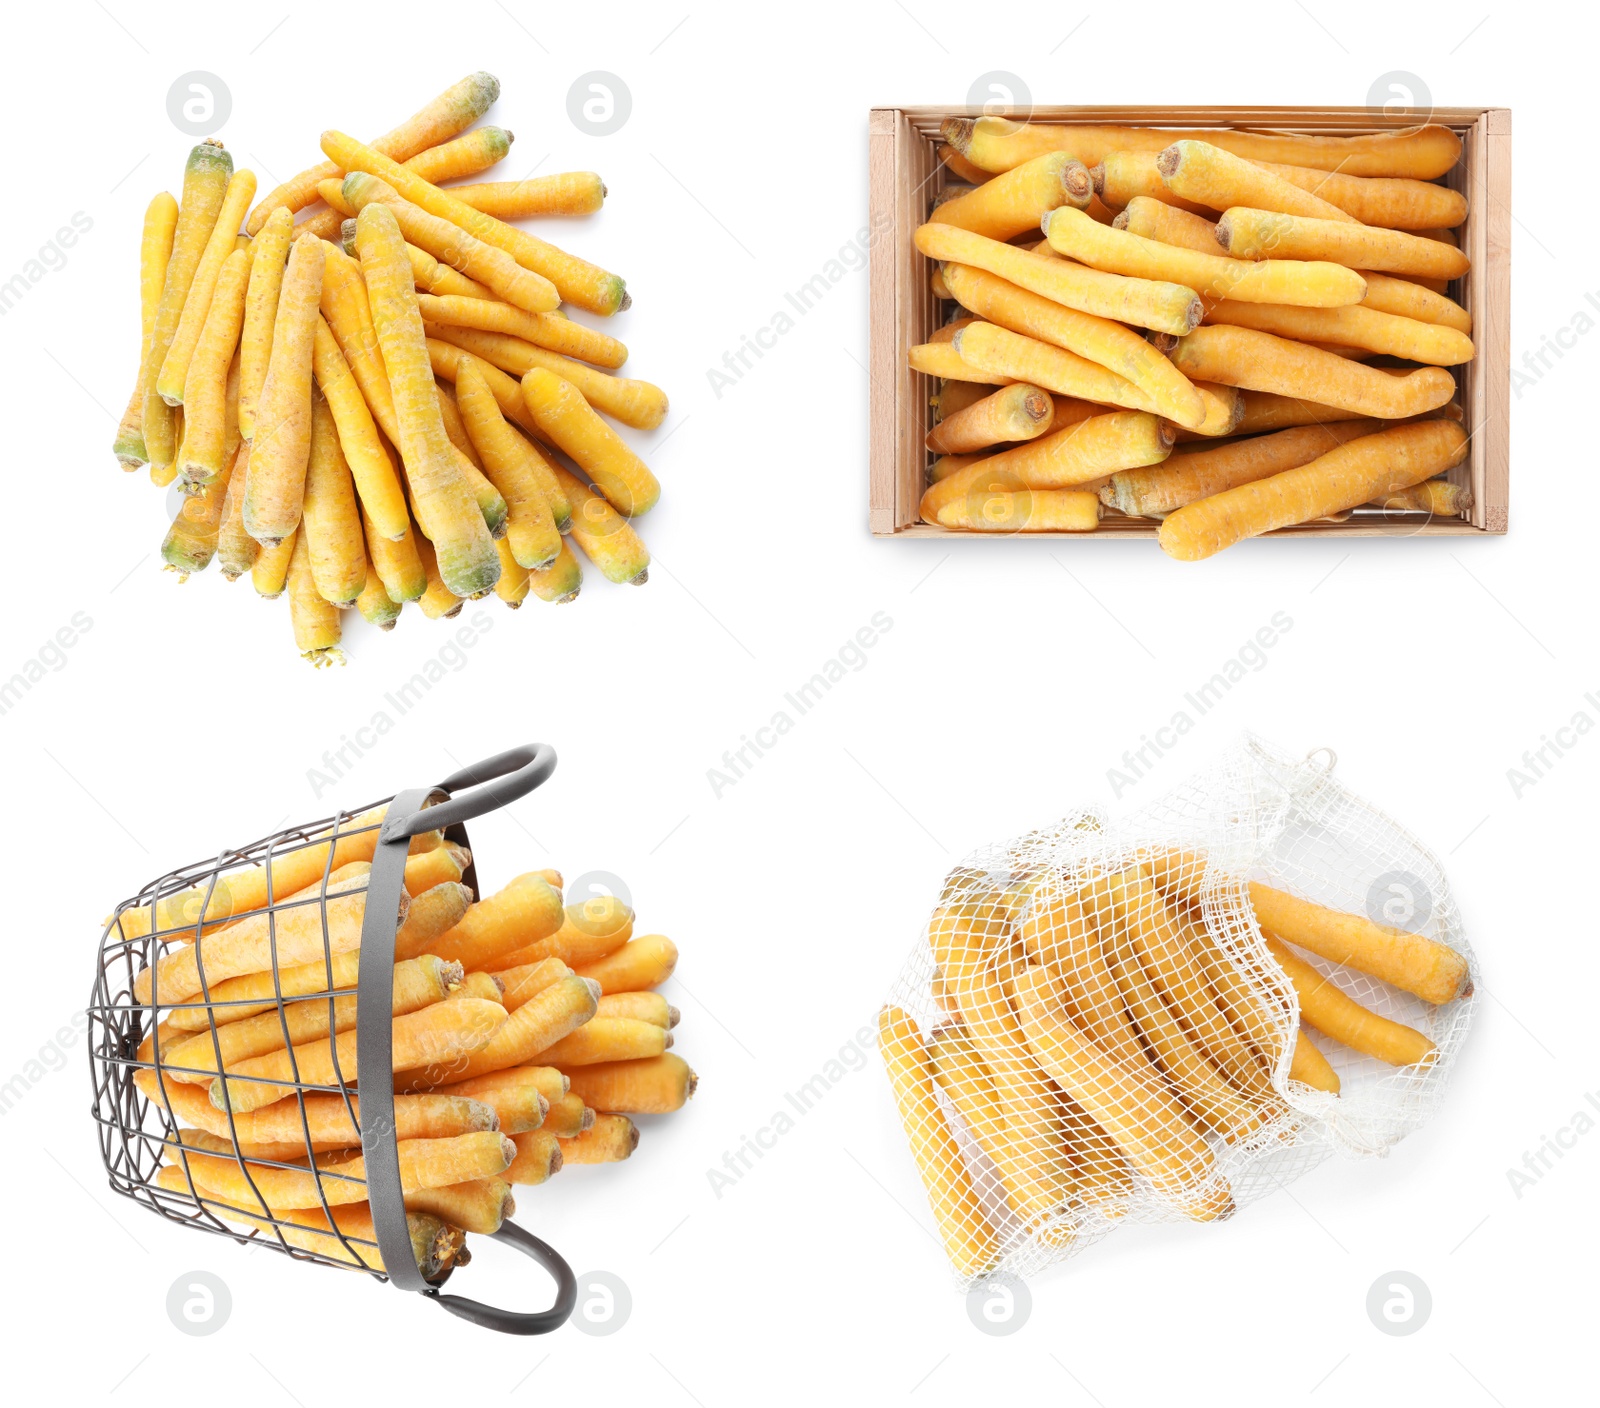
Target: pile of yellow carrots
(526,1032)
(1228,331)
(1093,1031)
(385,402)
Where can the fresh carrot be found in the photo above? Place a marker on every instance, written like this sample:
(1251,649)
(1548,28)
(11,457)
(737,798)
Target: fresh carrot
(434,913)
(543,1080)
(191,541)
(219,246)
(466,155)
(512,586)
(1080,454)
(1121,178)
(639,964)
(445,509)
(1354,327)
(275,488)
(1116,348)
(548,330)
(1007,205)
(155,249)
(1259,361)
(577,281)
(606,537)
(1254,234)
(611,1139)
(1308,284)
(1395,202)
(331,526)
(1168,224)
(314,619)
(382,498)
(998,144)
(520,913)
(442,865)
(396,562)
(1164,306)
(1343,478)
(453,111)
(485,263)
(560,582)
(1217,179)
(1432,971)
(1406,299)
(478,1205)
(516,469)
(641,1006)
(438,602)
(270,572)
(205,184)
(564,193)
(269,253)
(521,981)
(538,1157)
(655,1086)
(1438,497)
(1335,1014)
(1019,412)
(236,550)
(1011,510)
(1310,1066)
(430,276)
(606,1039)
(535,1026)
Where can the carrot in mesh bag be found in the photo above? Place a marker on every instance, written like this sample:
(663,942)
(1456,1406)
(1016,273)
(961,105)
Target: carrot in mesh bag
(1337,1015)
(1035,1165)
(968,1238)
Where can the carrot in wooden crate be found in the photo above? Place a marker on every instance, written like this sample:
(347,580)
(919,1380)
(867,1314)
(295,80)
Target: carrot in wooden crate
(1258,234)
(1353,327)
(1013,510)
(1019,412)
(1154,219)
(155,249)
(563,193)
(1343,478)
(1007,205)
(1306,283)
(1209,176)
(1395,202)
(1406,299)
(1261,362)
(998,144)
(1436,496)
(453,111)
(1124,177)
(1158,304)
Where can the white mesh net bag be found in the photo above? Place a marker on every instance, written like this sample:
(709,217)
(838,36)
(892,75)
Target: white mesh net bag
(1095,1027)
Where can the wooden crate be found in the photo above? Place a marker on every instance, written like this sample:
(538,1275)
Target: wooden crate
(905,175)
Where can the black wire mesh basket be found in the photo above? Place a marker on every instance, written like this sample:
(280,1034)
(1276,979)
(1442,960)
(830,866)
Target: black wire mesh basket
(317,908)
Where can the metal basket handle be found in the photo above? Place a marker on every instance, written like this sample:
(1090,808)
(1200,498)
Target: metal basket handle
(494,782)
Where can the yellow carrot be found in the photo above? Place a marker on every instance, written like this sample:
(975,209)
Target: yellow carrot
(561,581)
(485,263)
(548,330)
(1164,306)
(1354,327)
(437,602)
(1438,497)
(1411,300)
(1343,478)
(1261,362)
(655,1086)
(382,498)
(315,619)
(639,964)
(396,562)
(335,547)
(1019,412)
(611,1139)
(1124,354)
(606,1039)
(522,912)
(1309,284)
(607,538)
(191,541)
(268,255)
(236,550)
(577,281)
(490,502)
(206,412)
(453,111)
(1310,1066)
(270,571)
(1007,205)
(516,469)
(998,144)
(205,184)
(1395,202)
(1124,177)
(539,1023)
(220,244)
(430,276)
(1009,510)
(563,414)
(1212,177)
(564,193)
(1156,220)
(1257,234)
(446,511)
(466,155)
(275,488)
(155,249)
(1332,1012)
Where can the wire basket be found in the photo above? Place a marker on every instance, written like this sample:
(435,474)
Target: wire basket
(358,1218)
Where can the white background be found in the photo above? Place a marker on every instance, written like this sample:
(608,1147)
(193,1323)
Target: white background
(1015,674)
